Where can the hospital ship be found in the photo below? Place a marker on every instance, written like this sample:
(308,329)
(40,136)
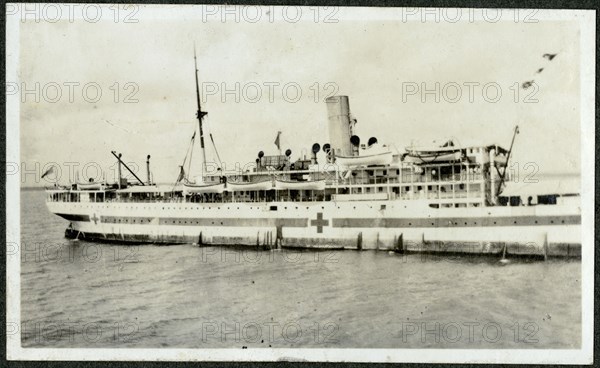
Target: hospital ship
(356,194)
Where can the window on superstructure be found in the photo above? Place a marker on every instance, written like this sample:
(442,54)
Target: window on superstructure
(474,188)
(547,199)
(515,201)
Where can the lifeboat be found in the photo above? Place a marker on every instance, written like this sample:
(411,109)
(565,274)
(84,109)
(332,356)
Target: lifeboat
(299,185)
(204,188)
(244,186)
(381,158)
(434,147)
(430,157)
(500,160)
(90,186)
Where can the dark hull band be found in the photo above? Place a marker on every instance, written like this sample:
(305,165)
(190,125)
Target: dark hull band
(397,245)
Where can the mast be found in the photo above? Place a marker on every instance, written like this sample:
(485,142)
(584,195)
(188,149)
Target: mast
(200,115)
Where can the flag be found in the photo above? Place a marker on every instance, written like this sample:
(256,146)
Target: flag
(181,174)
(48,172)
(277,140)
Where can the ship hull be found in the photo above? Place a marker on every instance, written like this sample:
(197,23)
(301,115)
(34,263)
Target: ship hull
(403,226)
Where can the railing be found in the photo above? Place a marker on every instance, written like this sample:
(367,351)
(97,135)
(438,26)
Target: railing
(280,196)
(118,200)
(426,178)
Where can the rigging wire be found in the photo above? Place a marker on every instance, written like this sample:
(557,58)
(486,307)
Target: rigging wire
(217,152)
(191,154)
(188,152)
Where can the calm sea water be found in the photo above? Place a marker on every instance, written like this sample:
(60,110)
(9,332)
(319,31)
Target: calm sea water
(84,294)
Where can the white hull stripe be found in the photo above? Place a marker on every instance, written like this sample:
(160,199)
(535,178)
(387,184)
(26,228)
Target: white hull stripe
(321,222)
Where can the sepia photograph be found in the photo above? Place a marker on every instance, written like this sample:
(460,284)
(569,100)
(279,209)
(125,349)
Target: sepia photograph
(299,183)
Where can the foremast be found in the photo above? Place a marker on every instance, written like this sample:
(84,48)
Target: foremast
(200,115)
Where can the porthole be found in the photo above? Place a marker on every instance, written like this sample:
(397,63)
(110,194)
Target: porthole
(514,222)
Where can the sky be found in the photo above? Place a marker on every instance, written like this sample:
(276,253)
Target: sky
(381,60)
